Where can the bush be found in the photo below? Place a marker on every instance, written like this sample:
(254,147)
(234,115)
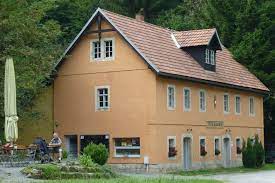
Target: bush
(259,152)
(43,171)
(64,154)
(98,153)
(253,153)
(85,160)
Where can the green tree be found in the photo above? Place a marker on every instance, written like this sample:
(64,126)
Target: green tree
(33,45)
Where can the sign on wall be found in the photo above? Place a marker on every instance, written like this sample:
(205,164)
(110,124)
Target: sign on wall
(214,124)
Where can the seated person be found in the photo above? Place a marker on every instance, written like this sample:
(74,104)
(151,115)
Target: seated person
(56,145)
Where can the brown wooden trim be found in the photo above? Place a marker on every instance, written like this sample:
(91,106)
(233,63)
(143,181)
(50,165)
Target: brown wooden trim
(99,31)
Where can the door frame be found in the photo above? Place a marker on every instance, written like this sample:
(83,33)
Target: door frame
(223,151)
(190,136)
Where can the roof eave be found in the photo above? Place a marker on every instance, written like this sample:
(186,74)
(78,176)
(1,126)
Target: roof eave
(214,83)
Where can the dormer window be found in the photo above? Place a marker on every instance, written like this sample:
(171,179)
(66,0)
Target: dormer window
(212,57)
(209,56)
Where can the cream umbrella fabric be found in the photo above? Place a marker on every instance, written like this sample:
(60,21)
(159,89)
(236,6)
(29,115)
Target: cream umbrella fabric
(11,130)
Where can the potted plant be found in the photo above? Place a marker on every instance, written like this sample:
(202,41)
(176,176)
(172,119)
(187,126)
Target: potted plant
(239,150)
(217,152)
(203,151)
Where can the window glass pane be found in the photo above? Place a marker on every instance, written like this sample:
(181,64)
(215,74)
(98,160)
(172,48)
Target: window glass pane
(127,146)
(172,148)
(226,103)
(202,101)
(238,104)
(186,99)
(238,146)
(171,97)
(202,147)
(207,56)
(96,49)
(212,58)
(251,105)
(108,48)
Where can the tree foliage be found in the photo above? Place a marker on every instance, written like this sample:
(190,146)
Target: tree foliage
(31,42)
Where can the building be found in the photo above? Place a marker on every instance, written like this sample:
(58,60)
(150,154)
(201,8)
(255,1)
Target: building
(174,99)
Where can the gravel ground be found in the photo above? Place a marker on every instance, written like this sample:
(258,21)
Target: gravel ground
(13,175)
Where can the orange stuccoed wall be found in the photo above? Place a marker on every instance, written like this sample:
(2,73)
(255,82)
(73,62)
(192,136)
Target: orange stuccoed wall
(138,105)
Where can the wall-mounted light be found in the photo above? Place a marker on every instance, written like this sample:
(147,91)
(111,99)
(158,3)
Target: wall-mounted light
(215,101)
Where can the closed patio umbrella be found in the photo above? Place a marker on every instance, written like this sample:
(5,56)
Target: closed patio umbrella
(11,130)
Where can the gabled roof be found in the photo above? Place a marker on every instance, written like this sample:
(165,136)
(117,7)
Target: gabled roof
(158,49)
(195,37)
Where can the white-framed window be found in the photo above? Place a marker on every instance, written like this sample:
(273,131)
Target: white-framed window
(171,144)
(96,50)
(203,151)
(127,147)
(202,101)
(186,99)
(217,146)
(238,146)
(102,97)
(108,48)
(251,106)
(226,103)
(207,56)
(171,97)
(102,50)
(212,57)
(237,104)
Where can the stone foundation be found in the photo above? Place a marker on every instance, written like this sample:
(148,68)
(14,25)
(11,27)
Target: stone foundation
(168,167)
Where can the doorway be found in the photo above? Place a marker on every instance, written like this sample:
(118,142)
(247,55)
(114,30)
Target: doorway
(71,145)
(226,152)
(187,158)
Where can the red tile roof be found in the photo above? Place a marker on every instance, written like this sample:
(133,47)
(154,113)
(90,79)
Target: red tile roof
(194,37)
(157,45)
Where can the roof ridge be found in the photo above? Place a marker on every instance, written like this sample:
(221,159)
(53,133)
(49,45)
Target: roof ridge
(196,30)
(133,19)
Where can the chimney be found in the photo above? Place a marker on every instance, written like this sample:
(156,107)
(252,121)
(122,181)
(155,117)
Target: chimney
(140,15)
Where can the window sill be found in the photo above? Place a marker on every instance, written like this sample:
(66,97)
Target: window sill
(102,59)
(126,156)
(103,110)
(171,109)
(172,158)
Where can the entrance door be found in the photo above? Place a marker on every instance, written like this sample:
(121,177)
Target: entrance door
(187,161)
(226,152)
(71,145)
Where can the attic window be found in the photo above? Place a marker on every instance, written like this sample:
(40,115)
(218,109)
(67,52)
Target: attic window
(210,56)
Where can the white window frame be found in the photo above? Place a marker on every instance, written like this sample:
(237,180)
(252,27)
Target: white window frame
(236,112)
(236,145)
(226,112)
(174,106)
(205,100)
(168,138)
(102,49)
(220,145)
(127,147)
(212,57)
(202,138)
(96,98)
(207,58)
(184,108)
(249,103)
